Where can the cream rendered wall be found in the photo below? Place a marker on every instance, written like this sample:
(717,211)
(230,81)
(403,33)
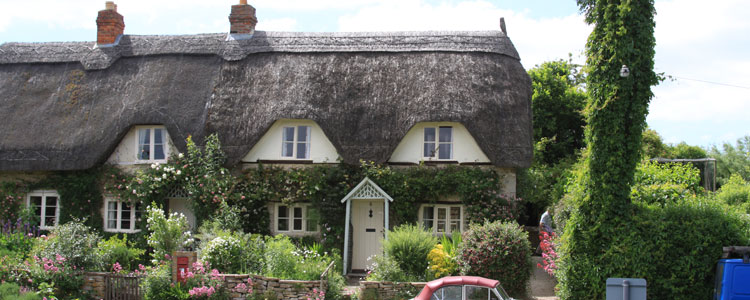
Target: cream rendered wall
(126,151)
(465,148)
(269,146)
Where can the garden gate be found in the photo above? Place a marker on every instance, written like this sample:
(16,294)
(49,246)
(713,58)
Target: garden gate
(122,287)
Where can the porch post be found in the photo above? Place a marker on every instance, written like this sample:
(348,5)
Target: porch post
(386,218)
(346,234)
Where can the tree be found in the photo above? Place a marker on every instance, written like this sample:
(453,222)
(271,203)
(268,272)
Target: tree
(623,36)
(732,160)
(653,146)
(557,103)
(683,150)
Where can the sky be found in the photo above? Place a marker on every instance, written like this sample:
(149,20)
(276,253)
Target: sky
(703,47)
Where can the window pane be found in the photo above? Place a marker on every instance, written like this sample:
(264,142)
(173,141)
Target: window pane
(125,216)
(448,293)
(303,133)
(427,217)
(49,212)
(288,134)
(441,216)
(283,211)
(429,134)
(145,152)
(297,218)
(446,134)
(159,135)
(429,150)
(158,151)
(286,149)
(444,151)
(301,150)
(442,213)
(283,219)
(477,293)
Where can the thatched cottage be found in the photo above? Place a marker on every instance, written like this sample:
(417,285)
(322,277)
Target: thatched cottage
(396,98)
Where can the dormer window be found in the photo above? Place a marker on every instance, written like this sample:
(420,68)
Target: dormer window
(295,142)
(438,142)
(152,144)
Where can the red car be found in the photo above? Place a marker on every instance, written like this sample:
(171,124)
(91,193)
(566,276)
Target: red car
(463,288)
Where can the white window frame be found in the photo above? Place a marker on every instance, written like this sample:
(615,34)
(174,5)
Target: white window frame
(44,194)
(134,214)
(290,218)
(152,133)
(448,220)
(437,142)
(295,141)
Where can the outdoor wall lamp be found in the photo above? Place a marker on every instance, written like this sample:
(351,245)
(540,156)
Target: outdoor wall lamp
(624,71)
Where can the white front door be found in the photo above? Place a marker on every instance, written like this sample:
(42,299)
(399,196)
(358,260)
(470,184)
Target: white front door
(367,226)
(182,205)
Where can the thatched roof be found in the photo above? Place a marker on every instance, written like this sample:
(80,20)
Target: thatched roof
(66,106)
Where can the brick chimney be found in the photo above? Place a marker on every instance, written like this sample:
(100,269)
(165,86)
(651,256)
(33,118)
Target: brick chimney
(109,25)
(242,20)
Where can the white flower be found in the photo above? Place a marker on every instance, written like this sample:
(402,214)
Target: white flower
(153,166)
(179,172)
(164,176)
(180,155)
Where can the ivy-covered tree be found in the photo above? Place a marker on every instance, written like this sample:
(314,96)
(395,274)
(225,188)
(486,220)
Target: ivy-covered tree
(557,104)
(623,35)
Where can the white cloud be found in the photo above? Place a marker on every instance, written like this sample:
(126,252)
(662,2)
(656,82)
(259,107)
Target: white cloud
(537,40)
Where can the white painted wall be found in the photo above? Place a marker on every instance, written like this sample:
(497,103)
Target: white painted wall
(126,151)
(465,148)
(269,146)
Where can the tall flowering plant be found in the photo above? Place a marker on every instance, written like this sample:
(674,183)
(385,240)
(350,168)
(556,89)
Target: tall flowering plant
(204,284)
(549,252)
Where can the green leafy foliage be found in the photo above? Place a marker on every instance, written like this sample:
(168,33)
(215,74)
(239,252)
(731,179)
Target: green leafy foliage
(166,234)
(623,34)
(662,183)
(731,159)
(119,250)
(497,250)
(386,268)
(540,187)
(74,241)
(735,192)
(11,291)
(557,104)
(409,245)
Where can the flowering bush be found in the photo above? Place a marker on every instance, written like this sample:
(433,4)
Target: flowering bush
(224,253)
(17,239)
(120,251)
(497,250)
(440,264)
(12,195)
(385,268)
(74,241)
(204,284)
(549,252)
(166,234)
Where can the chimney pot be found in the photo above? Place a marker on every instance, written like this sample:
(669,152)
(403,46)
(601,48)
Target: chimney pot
(110,5)
(243,2)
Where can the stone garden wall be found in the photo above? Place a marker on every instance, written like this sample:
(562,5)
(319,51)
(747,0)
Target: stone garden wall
(389,290)
(94,282)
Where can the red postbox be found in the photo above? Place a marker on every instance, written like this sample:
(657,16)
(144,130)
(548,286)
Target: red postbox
(183,266)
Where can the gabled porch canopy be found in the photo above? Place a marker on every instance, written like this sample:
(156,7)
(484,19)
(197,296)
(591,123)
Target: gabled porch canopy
(366,189)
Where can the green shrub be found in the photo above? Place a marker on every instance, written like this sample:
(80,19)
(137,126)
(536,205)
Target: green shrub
(497,250)
(11,291)
(224,253)
(74,241)
(166,234)
(735,192)
(385,268)
(118,250)
(409,245)
(157,279)
(675,247)
(662,183)
(280,258)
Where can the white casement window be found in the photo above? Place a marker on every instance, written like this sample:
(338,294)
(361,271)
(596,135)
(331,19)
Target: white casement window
(46,206)
(152,144)
(295,142)
(442,218)
(438,142)
(121,216)
(296,218)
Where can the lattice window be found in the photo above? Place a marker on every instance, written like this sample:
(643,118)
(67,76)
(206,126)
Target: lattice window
(178,192)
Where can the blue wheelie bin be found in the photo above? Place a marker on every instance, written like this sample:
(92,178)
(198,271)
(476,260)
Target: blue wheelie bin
(733,274)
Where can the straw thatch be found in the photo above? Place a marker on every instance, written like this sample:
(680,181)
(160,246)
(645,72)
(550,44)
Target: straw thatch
(66,106)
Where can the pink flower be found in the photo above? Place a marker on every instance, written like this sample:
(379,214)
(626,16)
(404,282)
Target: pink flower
(116,268)
(167,257)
